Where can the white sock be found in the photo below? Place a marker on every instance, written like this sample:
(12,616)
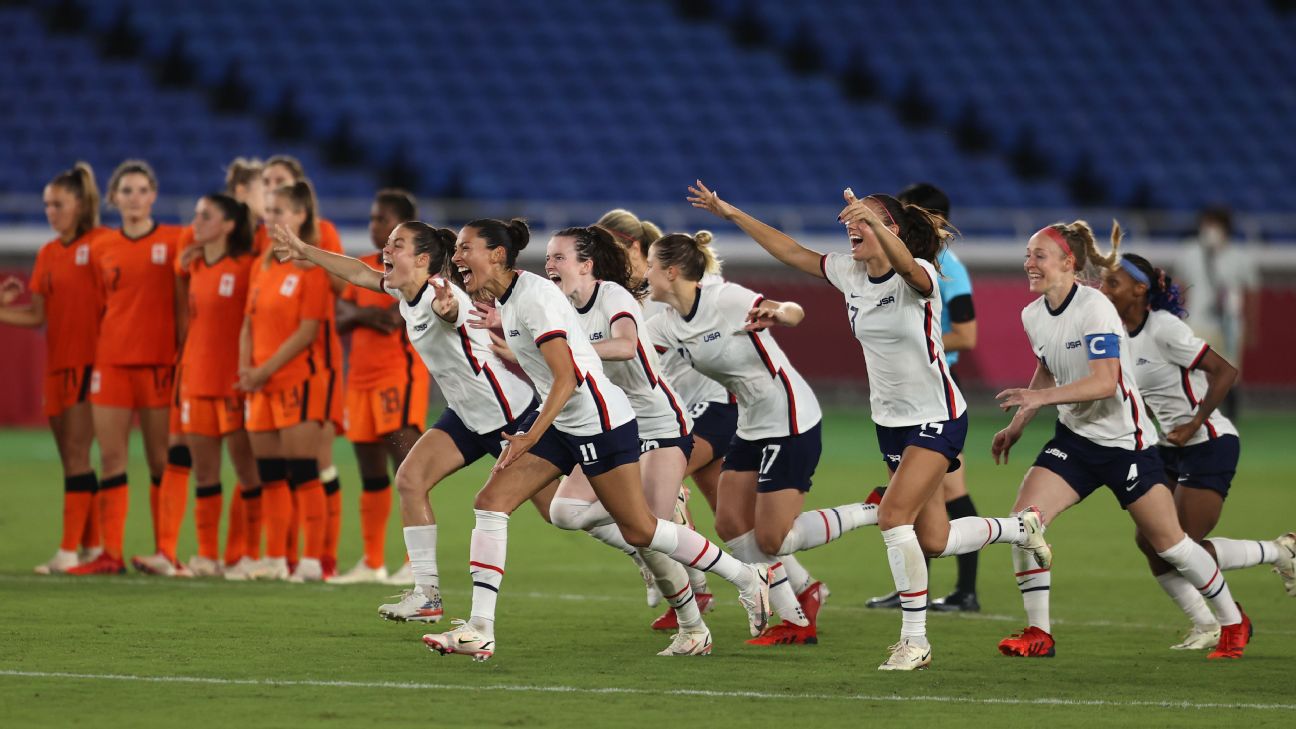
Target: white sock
(1195,564)
(909,572)
(577,515)
(610,534)
(694,550)
(782,599)
(420,543)
(798,577)
(674,585)
(698,581)
(1034,582)
(486,565)
(973,533)
(1234,554)
(1188,599)
(816,528)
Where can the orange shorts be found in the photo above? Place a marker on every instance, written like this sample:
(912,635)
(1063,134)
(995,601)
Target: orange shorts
(337,402)
(213,417)
(174,425)
(376,411)
(65,388)
(285,407)
(133,386)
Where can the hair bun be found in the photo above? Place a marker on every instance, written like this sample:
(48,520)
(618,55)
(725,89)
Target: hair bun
(519,233)
(703,237)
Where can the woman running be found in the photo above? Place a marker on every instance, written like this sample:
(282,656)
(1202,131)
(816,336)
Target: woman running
(592,427)
(1184,381)
(64,299)
(1103,437)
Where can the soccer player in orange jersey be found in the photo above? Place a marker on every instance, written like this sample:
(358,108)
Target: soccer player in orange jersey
(387,388)
(135,355)
(64,297)
(288,388)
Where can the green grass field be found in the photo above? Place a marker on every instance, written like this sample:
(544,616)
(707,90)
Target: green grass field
(574,643)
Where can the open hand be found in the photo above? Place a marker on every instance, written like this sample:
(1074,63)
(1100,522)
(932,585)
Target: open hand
(287,246)
(484,316)
(10,289)
(700,196)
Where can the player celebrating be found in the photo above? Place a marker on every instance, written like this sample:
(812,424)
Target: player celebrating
(1103,437)
(1183,381)
(592,426)
(485,399)
(64,297)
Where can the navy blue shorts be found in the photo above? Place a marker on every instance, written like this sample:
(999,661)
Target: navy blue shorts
(472,445)
(780,463)
(945,437)
(595,454)
(651,444)
(1208,465)
(1086,466)
(715,423)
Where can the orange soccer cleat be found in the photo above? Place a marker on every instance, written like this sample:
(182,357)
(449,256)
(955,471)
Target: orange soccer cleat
(786,633)
(104,564)
(1030,643)
(1233,638)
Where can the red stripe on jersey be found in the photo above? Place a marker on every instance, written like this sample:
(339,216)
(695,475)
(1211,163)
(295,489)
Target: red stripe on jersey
(550,335)
(948,388)
(466,343)
(823,265)
(927,331)
(1186,382)
(643,362)
(580,378)
(599,404)
(679,412)
(1200,356)
(485,566)
(660,349)
(760,349)
(792,418)
(619,315)
(499,393)
(1134,411)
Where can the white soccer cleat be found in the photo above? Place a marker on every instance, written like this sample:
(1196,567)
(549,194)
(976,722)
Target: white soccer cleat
(1033,522)
(1198,638)
(403,576)
(414,606)
(309,569)
(464,640)
(241,570)
(61,562)
(360,574)
(696,642)
(86,555)
(755,599)
(270,568)
(156,564)
(907,656)
(1285,565)
(200,566)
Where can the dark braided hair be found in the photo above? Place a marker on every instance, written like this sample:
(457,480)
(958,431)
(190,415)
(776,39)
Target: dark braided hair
(1163,293)
(611,263)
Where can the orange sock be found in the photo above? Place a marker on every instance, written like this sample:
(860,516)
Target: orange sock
(333,519)
(276,504)
(235,539)
(303,473)
(155,508)
(207,514)
(92,538)
(252,508)
(293,542)
(172,499)
(114,500)
(375,508)
(78,497)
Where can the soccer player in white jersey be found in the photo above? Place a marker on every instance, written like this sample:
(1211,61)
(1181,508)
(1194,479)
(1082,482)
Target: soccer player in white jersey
(485,400)
(1183,381)
(713,409)
(893,305)
(583,420)
(1104,436)
(722,330)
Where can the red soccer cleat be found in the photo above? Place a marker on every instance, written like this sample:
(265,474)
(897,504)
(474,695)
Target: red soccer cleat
(1030,643)
(1233,638)
(875,496)
(812,598)
(101,565)
(786,633)
(329,566)
(668,621)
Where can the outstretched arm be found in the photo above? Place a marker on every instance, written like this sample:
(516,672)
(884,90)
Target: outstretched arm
(348,269)
(857,212)
(779,244)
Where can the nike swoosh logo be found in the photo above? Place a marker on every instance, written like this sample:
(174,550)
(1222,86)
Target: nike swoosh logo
(1131,486)
(924,435)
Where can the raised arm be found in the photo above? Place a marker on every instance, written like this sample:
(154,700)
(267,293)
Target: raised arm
(348,269)
(776,242)
(769,313)
(859,213)
(26,315)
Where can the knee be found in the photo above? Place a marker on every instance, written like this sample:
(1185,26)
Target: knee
(931,545)
(727,526)
(892,518)
(568,513)
(637,535)
(410,486)
(487,501)
(770,541)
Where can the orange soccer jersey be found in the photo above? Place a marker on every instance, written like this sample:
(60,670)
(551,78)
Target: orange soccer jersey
(376,357)
(281,297)
(64,277)
(329,238)
(217,299)
(137,276)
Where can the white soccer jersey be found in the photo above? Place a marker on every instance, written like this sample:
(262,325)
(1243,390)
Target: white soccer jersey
(900,332)
(691,387)
(533,311)
(476,385)
(1086,327)
(656,407)
(773,400)
(1165,351)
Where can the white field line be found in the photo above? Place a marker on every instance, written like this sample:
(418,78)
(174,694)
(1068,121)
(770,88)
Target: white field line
(599,691)
(832,606)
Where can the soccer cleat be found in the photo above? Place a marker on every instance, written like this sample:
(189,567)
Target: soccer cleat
(104,564)
(669,621)
(689,643)
(361,573)
(308,569)
(1285,565)
(200,566)
(786,633)
(1233,638)
(875,496)
(241,570)
(755,600)
(1030,643)
(957,602)
(907,656)
(1199,638)
(328,566)
(812,599)
(414,606)
(890,602)
(464,640)
(88,554)
(61,562)
(402,576)
(157,564)
(269,568)
(1033,523)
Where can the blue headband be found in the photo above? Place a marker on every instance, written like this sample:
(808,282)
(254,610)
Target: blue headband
(1134,272)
